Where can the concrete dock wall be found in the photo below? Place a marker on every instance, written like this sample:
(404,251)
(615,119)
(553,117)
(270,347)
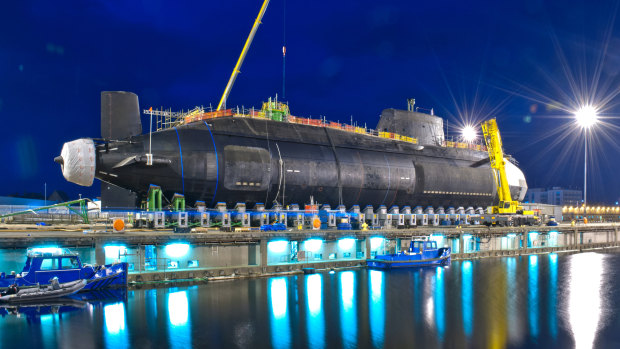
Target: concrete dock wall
(163,255)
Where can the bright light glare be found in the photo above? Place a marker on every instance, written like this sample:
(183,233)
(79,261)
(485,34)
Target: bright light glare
(586,116)
(115,251)
(278,246)
(469,133)
(313,245)
(346,243)
(177,250)
(53,250)
(376,242)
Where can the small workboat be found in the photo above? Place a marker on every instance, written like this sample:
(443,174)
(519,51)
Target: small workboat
(420,254)
(43,265)
(42,293)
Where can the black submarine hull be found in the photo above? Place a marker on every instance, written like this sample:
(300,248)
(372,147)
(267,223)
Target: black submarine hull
(255,160)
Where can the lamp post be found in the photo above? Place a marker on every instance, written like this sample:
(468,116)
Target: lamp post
(586,117)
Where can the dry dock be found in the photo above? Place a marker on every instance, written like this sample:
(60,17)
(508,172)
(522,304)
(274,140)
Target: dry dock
(211,254)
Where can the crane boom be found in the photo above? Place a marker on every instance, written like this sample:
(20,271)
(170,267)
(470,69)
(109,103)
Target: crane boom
(493,141)
(244,51)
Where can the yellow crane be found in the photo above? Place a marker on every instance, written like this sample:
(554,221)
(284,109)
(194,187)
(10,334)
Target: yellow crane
(506,204)
(493,141)
(244,51)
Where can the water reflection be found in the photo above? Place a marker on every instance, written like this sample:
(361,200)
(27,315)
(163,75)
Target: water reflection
(514,324)
(115,322)
(542,301)
(348,312)
(48,327)
(498,327)
(532,300)
(584,303)
(114,318)
(467,298)
(428,286)
(178,313)
(316,323)
(440,308)
(178,308)
(553,295)
(280,329)
(377,308)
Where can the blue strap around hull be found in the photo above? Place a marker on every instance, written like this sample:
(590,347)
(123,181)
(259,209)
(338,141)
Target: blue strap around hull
(217,165)
(181,154)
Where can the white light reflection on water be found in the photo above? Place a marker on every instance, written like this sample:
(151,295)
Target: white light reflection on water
(553,295)
(114,316)
(467,298)
(280,328)
(348,313)
(428,287)
(532,300)
(377,308)
(178,313)
(178,308)
(440,304)
(316,323)
(584,302)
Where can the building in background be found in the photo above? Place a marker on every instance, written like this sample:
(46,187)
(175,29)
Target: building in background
(554,196)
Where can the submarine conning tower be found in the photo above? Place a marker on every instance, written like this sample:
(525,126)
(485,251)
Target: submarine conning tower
(426,128)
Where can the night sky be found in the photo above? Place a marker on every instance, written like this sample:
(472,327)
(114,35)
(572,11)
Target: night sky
(529,63)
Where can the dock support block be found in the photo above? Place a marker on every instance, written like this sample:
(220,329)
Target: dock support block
(99,253)
(263,253)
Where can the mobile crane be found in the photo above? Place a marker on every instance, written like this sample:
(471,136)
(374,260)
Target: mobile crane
(507,212)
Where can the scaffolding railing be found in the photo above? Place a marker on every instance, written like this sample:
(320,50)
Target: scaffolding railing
(168,119)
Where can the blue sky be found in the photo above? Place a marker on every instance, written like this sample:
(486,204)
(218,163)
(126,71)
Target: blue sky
(514,60)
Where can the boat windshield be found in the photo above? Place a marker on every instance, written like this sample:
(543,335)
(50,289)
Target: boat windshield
(417,245)
(69,263)
(49,264)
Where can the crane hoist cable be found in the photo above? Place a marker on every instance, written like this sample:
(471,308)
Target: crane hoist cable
(284,50)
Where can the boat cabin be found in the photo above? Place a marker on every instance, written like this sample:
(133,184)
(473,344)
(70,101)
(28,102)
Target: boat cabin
(421,246)
(41,267)
(427,249)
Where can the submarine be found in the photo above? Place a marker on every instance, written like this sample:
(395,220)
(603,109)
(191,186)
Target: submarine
(254,158)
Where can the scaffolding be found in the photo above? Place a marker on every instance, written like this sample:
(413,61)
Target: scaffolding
(165,118)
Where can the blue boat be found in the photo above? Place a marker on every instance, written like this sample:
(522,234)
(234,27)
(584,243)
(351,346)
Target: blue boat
(42,267)
(420,254)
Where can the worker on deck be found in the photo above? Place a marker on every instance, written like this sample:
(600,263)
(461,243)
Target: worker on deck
(364,226)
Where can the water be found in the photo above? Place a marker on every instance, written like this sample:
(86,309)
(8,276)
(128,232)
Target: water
(545,301)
